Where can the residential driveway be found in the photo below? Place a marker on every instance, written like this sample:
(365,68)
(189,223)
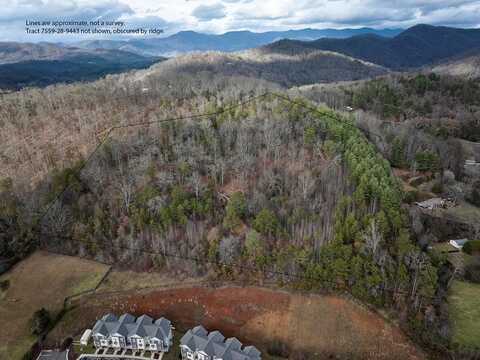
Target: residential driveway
(53,355)
(117,357)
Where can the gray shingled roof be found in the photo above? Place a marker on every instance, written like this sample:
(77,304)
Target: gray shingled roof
(214,344)
(136,330)
(127,326)
(200,330)
(109,317)
(252,351)
(120,329)
(144,320)
(126,318)
(216,335)
(100,328)
(164,325)
(234,343)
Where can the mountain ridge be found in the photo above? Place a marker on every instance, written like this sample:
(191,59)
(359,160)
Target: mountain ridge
(286,70)
(28,64)
(191,41)
(415,47)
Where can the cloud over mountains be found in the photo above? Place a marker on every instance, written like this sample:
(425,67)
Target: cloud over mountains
(219,16)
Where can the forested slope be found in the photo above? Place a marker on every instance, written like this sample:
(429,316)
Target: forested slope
(296,194)
(286,70)
(467,66)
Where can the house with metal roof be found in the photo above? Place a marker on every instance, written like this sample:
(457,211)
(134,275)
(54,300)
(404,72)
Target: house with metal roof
(126,332)
(199,344)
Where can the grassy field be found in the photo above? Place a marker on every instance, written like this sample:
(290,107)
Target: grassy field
(464,303)
(131,280)
(41,280)
(464,212)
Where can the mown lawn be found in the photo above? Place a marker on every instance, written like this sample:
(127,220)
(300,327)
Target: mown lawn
(464,303)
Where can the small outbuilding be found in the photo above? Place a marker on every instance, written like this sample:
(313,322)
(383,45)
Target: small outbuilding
(459,243)
(85,337)
(433,203)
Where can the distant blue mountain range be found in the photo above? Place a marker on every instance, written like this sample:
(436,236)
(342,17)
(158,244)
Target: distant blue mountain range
(417,46)
(190,41)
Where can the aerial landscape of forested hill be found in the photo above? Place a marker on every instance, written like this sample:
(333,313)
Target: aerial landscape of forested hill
(296,166)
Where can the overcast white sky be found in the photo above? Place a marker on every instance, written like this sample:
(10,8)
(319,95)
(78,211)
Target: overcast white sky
(218,16)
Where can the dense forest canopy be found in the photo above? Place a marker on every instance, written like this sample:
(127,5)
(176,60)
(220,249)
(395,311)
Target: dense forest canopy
(282,186)
(447,106)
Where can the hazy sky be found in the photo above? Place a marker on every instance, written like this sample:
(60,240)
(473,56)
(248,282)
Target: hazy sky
(218,16)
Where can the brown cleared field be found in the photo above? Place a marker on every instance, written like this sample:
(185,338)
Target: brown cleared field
(322,326)
(41,280)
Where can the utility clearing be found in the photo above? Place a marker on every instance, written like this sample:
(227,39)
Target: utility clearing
(41,280)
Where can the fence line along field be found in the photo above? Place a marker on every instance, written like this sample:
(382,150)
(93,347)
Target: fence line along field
(43,280)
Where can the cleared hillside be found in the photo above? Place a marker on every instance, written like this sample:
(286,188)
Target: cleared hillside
(278,322)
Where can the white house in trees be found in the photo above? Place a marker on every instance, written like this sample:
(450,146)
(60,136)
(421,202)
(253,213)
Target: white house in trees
(126,332)
(199,344)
